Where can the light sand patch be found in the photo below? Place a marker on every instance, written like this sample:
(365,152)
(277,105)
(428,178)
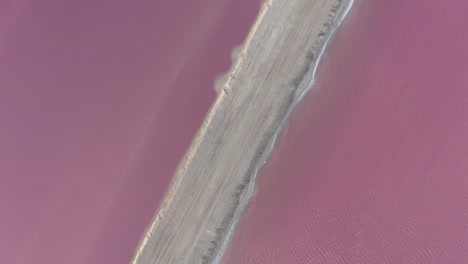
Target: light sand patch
(215,181)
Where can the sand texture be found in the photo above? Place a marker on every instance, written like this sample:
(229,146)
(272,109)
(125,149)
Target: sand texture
(213,184)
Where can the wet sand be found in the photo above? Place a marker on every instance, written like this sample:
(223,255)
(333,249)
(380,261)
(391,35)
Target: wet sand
(372,167)
(99,101)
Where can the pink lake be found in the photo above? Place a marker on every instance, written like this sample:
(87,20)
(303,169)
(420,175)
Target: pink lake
(373,166)
(99,100)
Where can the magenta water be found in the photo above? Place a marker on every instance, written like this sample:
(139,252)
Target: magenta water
(99,100)
(373,166)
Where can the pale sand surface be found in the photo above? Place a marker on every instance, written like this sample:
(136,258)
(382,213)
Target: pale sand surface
(211,187)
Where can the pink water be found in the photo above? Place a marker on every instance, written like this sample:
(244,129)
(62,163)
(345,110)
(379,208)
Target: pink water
(373,167)
(99,100)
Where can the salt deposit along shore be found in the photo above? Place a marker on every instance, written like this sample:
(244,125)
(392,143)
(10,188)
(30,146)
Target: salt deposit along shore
(271,73)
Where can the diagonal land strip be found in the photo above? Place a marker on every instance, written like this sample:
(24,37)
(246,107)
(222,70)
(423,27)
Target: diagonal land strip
(215,181)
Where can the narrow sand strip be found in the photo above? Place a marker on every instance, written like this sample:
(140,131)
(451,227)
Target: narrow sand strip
(216,180)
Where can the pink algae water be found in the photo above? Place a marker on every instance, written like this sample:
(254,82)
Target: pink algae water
(373,166)
(99,100)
